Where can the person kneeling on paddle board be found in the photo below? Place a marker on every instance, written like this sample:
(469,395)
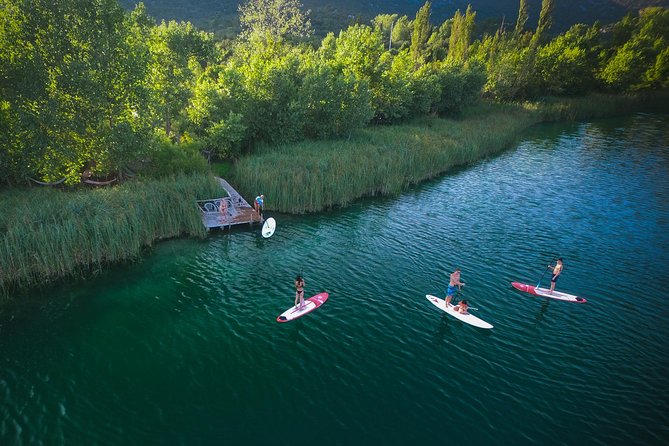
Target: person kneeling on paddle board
(299,291)
(454,282)
(557,270)
(461,307)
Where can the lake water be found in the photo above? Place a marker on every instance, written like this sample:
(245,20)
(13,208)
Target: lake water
(183,347)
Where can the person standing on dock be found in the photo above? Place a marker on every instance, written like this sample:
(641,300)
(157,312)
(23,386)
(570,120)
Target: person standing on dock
(452,284)
(258,204)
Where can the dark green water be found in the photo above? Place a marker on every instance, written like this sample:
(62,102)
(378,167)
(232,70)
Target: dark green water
(183,347)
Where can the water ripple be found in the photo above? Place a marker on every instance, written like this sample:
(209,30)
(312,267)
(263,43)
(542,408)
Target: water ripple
(184,347)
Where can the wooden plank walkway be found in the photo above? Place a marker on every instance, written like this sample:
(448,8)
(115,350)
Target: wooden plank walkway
(235,210)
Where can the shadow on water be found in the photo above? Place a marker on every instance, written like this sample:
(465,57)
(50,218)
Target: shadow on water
(294,335)
(444,330)
(542,311)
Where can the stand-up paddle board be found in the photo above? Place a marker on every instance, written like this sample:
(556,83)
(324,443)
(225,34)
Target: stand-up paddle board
(268,227)
(464,317)
(544,292)
(309,305)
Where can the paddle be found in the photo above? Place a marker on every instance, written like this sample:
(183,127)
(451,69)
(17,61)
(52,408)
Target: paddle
(547,268)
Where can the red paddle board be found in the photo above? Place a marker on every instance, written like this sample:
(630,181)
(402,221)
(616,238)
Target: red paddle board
(309,305)
(544,292)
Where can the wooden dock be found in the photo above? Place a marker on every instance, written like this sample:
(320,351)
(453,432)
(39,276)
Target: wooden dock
(227,211)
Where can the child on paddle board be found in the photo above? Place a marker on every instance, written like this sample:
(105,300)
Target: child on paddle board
(453,282)
(557,270)
(299,291)
(461,307)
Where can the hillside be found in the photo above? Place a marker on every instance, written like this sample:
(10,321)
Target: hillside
(220,16)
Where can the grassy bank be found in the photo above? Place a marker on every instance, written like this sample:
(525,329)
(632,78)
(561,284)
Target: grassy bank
(314,175)
(48,234)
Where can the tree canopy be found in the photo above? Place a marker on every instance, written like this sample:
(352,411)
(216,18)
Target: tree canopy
(90,90)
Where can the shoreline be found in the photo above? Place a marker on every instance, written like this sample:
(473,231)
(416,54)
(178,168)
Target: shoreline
(48,235)
(311,176)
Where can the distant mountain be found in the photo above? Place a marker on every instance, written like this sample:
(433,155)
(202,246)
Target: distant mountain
(332,15)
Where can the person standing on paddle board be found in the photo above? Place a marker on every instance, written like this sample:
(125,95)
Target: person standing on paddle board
(299,291)
(454,282)
(557,270)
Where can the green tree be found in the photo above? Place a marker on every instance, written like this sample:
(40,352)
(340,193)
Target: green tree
(263,78)
(523,16)
(336,102)
(461,34)
(437,46)
(545,22)
(74,87)
(421,33)
(384,23)
(401,33)
(566,65)
(225,136)
(274,18)
(509,67)
(359,50)
(178,54)
(640,62)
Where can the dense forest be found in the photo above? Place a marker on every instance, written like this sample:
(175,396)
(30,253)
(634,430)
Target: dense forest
(221,16)
(90,91)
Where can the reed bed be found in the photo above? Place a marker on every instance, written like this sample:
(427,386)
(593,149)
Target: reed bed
(311,176)
(47,234)
(314,175)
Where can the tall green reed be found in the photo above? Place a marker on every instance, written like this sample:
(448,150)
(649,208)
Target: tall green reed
(46,234)
(313,175)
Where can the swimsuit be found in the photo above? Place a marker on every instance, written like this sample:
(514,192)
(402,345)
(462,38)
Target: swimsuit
(554,278)
(451,290)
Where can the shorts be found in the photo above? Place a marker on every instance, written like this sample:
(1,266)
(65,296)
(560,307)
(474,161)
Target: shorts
(451,290)
(554,278)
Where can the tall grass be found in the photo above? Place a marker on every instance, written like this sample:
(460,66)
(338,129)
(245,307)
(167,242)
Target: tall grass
(311,176)
(314,175)
(46,234)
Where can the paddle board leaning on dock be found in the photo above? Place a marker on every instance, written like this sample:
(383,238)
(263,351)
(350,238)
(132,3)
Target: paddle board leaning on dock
(268,227)
(544,292)
(467,318)
(309,305)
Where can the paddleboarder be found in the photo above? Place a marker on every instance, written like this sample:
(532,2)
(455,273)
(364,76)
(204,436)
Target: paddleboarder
(452,284)
(299,291)
(557,270)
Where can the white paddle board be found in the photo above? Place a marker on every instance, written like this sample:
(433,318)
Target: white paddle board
(309,305)
(464,317)
(268,227)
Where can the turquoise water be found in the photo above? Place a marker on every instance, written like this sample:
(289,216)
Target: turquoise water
(184,348)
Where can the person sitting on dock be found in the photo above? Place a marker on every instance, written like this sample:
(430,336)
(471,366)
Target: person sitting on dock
(223,209)
(258,204)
